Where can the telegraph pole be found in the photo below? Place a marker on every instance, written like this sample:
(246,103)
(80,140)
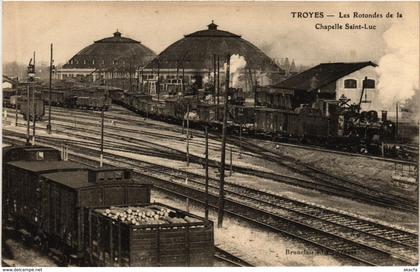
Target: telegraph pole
(27,108)
(218,87)
(16,108)
(33,105)
(214,78)
(188,135)
(206,211)
(396,117)
(101,159)
(130,75)
(49,94)
(183,79)
(223,155)
(158,79)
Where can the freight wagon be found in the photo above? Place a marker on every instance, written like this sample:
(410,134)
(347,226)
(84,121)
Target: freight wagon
(30,153)
(93,102)
(58,98)
(49,198)
(7,93)
(66,196)
(86,98)
(64,207)
(38,105)
(302,123)
(148,235)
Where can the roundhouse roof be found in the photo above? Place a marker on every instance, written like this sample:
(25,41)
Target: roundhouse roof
(116,51)
(197,50)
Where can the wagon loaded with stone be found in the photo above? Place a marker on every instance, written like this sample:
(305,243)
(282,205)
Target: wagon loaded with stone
(148,235)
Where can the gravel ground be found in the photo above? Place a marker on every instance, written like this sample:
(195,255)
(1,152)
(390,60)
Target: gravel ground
(26,256)
(377,214)
(257,246)
(367,171)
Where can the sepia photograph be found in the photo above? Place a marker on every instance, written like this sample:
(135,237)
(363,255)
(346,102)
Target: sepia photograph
(210,134)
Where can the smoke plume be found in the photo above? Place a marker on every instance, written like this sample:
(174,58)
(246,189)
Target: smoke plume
(398,69)
(237,71)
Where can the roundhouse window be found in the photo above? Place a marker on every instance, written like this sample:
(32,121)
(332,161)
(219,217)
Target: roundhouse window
(350,83)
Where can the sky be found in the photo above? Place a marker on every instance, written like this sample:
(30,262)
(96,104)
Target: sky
(70,26)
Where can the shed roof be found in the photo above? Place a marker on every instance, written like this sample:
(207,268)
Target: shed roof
(76,179)
(80,179)
(321,75)
(45,167)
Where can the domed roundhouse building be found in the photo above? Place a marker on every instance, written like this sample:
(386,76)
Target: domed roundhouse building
(114,58)
(198,60)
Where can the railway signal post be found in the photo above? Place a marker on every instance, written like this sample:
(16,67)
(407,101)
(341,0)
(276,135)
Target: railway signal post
(31,76)
(101,159)
(27,114)
(16,108)
(188,135)
(218,88)
(33,105)
(221,203)
(49,93)
(206,211)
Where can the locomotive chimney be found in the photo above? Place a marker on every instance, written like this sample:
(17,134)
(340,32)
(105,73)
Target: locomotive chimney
(384,115)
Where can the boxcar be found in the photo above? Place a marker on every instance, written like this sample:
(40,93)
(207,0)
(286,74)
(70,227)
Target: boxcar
(21,187)
(30,153)
(39,108)
(242,114)
(7,93)
(95,103)
(65,196)
(58,98)
(116,94)
(176,242)
(25,153)
(310,123)
(272,121)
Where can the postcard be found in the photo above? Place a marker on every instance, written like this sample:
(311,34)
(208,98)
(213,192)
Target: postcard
(210,134)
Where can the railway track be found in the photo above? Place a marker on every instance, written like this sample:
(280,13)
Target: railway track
(228,257)
(348,187)
(342,234)
(128,117)
(122,113)
(318,180)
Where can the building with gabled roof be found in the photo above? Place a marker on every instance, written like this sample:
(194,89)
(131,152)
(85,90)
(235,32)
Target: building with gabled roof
(354,81)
